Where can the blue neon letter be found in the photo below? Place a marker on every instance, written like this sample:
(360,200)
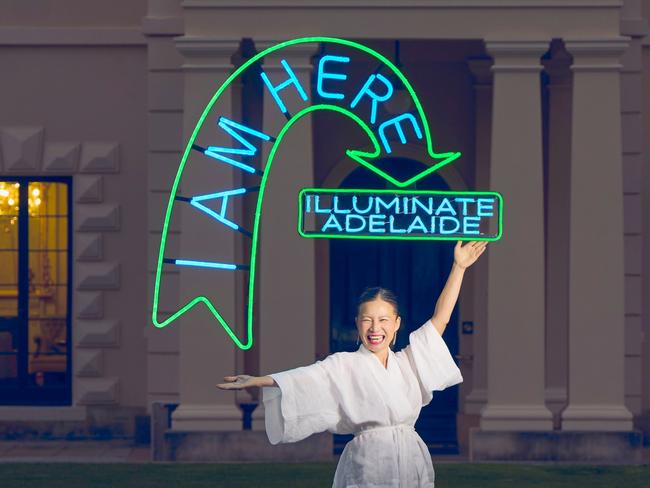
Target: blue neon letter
(417,224)
(375,98)
(222,215)
(396,122)
(449,230)
(471,222)
(205,264)
(333,223)
(464,201)
(332,76)
(336,208)
(307,203)
(485,208)
(317,207)
(249,149)
(377,223)
(293,80)
(445,206)
(348,221)
(365,210)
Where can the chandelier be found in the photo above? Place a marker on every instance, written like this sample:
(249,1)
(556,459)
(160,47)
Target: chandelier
(9,200)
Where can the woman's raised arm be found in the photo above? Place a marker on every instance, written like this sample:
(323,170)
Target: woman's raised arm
(464,256)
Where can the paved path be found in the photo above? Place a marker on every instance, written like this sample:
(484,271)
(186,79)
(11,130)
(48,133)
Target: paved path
(73,451)
(124,451)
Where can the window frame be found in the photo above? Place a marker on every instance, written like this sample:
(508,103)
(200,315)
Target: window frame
(22,392)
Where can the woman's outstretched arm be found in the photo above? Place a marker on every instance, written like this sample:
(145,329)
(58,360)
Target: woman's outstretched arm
(464,257)
(242,381)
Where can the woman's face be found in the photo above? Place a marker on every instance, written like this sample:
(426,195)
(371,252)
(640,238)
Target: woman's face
(377,324)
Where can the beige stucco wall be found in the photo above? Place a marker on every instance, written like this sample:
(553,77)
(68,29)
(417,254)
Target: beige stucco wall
(73,13)
(122,87)
(505,21)
(68,83)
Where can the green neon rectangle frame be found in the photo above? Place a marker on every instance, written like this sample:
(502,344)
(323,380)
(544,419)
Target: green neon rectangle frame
(498,196)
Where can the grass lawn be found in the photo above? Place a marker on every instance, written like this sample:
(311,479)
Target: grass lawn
(310,475)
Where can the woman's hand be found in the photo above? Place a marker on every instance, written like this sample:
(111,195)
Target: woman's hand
(465,256)
(238,382)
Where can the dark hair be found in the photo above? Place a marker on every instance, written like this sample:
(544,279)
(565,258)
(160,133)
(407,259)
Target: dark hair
(373,293)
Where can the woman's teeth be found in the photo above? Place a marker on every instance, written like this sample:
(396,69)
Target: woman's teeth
(375,339)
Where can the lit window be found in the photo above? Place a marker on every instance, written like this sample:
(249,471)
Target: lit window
(34,291)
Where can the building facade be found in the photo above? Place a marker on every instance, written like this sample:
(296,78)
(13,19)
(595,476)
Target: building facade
(545,100)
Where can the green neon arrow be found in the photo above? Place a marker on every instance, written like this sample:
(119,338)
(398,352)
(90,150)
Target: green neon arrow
(364,158)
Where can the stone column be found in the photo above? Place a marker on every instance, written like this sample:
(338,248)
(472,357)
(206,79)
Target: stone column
(165,106)
(287,261)
(596,270)
(206,352)
(247,109)
(515,359)
(557,228)
(481,72)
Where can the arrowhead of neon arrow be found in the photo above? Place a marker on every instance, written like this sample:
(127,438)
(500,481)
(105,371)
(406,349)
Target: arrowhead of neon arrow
(365,158)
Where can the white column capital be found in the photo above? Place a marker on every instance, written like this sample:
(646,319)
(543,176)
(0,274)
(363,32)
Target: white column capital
(597,54)
(207,54)
(481,70)
(513,56)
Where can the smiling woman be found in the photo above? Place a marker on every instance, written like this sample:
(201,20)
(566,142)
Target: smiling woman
(375,393)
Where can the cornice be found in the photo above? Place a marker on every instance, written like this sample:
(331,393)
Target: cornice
(401,4)
(71,36)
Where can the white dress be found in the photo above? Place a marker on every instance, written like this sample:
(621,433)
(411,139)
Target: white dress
(352,392)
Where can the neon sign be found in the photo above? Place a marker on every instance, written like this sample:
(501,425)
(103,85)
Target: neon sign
(394,214)
(384,132)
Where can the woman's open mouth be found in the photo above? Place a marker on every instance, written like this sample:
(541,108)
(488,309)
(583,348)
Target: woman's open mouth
(375,339)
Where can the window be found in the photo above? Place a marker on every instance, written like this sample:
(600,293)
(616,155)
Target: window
(35,234)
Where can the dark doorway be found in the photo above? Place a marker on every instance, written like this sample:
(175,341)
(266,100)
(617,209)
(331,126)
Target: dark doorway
(416,271)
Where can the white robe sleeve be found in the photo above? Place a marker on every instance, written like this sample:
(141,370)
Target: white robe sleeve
(431,361)
(305,402)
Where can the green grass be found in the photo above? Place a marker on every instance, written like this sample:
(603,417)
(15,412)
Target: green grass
(312,475)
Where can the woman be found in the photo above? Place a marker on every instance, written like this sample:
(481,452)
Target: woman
(374,393)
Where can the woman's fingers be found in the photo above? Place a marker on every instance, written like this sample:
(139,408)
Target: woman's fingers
(230,385)
(472,244)
(238,382)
